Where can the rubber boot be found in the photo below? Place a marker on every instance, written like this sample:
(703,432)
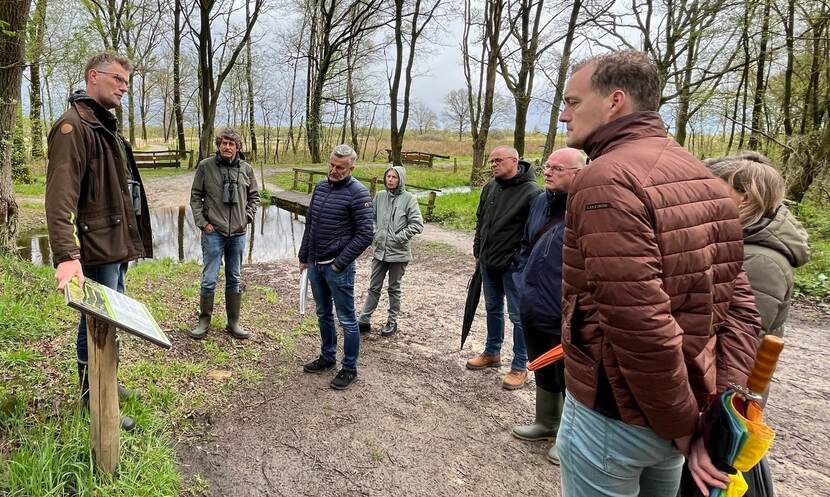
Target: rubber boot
(233,303)
(205,312)
(548,413)
(127,423)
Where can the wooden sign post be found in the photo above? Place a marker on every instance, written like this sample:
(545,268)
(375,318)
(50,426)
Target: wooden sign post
(103,394)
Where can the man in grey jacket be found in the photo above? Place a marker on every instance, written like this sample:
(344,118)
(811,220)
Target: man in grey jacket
(224,198)
(397,219)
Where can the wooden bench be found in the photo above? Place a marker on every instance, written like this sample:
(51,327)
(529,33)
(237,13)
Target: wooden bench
(416,158)
(163,158)
(372,183)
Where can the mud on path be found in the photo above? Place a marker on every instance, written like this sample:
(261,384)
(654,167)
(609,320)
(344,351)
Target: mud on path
(418,423)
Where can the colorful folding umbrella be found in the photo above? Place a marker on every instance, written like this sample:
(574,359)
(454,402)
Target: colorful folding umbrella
(734,431)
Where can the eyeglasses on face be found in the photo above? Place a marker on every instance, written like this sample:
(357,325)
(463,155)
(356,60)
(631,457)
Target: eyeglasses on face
(117,77)
(558,169)
(499,160)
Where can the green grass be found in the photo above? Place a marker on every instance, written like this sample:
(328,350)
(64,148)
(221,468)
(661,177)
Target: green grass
(457,210)
(36,188)
(813,279)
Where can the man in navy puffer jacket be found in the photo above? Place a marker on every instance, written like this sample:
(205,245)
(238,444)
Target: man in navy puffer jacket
(338,229)
(540,285)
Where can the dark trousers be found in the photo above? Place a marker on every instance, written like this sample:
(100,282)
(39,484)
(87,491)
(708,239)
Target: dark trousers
(539,340)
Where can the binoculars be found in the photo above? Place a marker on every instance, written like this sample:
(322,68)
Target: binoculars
(135,195)
(229,192)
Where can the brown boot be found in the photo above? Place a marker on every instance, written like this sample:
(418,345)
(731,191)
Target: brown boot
(514,380)
(482,361)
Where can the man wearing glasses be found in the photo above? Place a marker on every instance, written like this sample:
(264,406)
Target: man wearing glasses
(500,220)
(96,209)
(338,228)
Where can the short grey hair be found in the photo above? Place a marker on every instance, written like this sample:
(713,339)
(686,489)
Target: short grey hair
(101,59)
(507,148)
(344,150)
(229,134)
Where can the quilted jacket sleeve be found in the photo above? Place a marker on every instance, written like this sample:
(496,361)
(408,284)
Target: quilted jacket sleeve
(623,266)
(738,336)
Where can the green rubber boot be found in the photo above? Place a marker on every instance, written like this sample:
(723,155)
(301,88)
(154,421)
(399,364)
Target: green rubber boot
(548,413)
(233,304)
(205,312)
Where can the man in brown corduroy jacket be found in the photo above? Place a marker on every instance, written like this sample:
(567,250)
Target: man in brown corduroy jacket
(657,312)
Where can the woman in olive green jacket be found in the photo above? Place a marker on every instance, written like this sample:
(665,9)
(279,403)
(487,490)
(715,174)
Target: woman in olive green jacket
(774,240)
(397,220)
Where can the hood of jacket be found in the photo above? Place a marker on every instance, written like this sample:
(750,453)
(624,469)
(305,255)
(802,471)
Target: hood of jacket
(782,233)
(524,175)
(92,111)
(401,179)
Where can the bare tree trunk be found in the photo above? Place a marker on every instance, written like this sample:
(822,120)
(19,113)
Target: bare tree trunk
(250,80)
(131,109)
(561,77)
(760,79)
(36,33)
(13,17)
(789,29)
(143,102)
(177,80)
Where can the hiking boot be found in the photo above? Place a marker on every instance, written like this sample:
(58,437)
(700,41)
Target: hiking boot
(318,366)
(553,455)
(205,312)
(364,327)
(482,361)
(514,380)
(344,379)
(125,393)
(233,303)
(389,329)
(548,414)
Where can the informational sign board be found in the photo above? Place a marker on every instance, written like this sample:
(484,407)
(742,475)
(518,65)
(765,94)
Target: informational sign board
(116,308)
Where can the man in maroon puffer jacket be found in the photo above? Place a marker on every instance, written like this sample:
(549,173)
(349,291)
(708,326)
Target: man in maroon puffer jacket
(657,312)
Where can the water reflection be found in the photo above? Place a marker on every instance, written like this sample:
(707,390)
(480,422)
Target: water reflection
(275,234)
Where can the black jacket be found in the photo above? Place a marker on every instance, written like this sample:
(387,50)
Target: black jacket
(501,216)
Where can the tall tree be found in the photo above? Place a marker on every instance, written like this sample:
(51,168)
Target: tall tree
(332,25)
(211,78)
(457,110)
(177,80)
(250,84)
(481,87)
(13,17)
(760,78)
(37,28)
(416,20)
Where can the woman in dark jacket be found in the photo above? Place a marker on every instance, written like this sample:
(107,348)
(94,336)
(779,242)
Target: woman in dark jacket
(540,283)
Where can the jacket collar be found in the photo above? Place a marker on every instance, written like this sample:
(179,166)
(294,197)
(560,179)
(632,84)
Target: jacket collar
(632,126)
(92,112)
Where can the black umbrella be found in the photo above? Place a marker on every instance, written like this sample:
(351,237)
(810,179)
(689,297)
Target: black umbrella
(473,296)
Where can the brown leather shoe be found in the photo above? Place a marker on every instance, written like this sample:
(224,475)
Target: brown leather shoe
(482,361)
(514,380)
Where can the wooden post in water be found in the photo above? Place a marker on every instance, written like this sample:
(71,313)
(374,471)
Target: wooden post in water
(431,205)
(103,394)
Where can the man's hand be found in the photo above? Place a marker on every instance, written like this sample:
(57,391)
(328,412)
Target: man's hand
(67,270)
(335,268)
(704,473)
(208,228)
(303,266)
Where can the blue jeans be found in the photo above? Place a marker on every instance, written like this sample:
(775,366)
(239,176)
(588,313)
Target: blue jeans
(327,286)
(214,247)
(604,457)
(109,275)
(498,284)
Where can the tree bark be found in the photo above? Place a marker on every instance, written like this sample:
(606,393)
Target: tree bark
(36,33)
(177,80)
(250,81)
(760,79)
(13,17)
(561,77)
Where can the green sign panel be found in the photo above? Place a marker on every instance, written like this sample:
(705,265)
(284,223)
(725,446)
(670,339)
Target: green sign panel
(116,308)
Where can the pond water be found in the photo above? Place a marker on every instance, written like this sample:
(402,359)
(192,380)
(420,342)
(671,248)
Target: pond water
(274,235)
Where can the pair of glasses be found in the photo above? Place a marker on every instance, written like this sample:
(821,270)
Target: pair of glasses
(558,169)
(498,160)
(118,79)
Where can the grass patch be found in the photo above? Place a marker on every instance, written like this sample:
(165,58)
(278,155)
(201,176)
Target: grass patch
(457,210)
(36,188)
(813,279)
(44,438)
